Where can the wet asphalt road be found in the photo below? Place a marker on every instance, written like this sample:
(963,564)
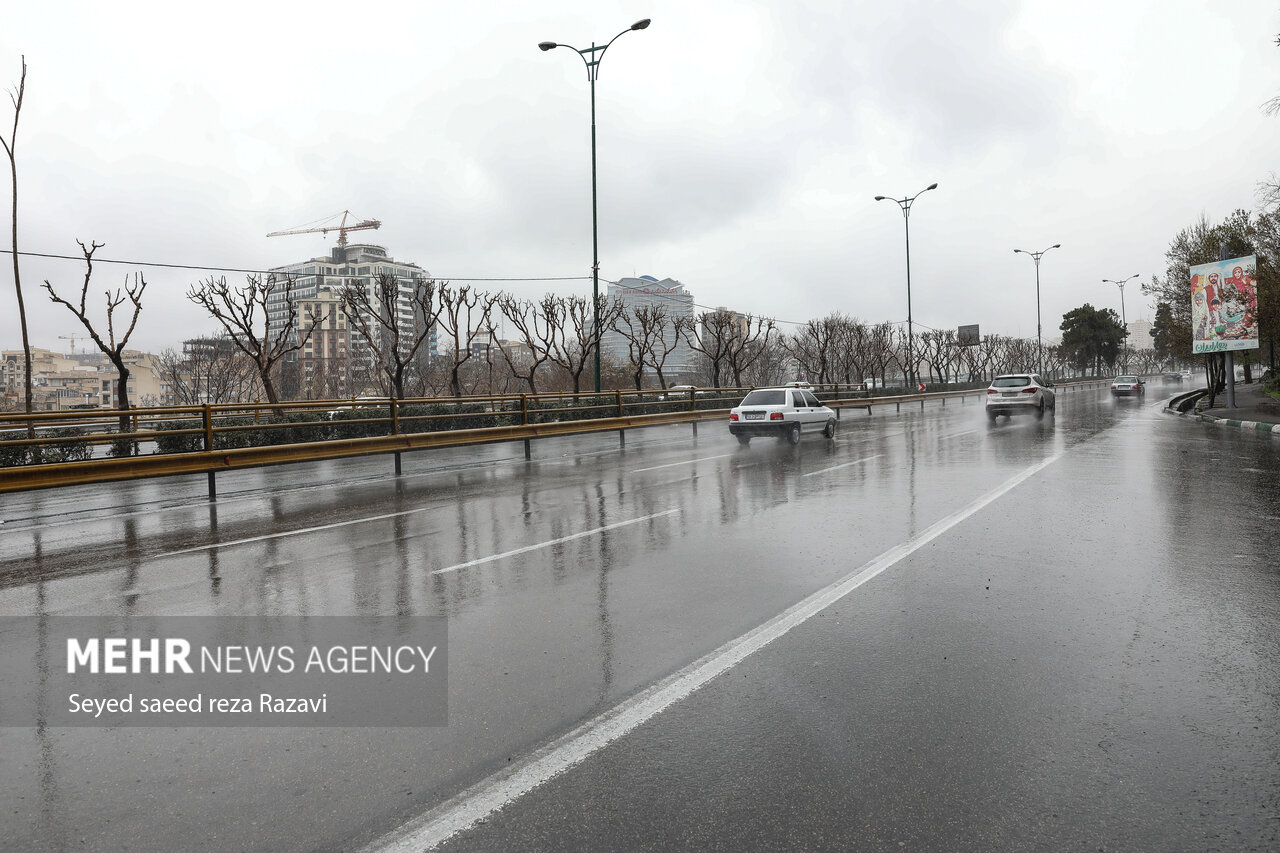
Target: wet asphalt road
(1090,660)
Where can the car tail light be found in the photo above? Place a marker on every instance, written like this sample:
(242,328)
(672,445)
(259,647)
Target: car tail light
(1028,390)
(992,391)
(733,416)
(776,416)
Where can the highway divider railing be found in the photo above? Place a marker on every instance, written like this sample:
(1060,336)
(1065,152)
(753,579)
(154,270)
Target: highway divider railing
(82,446)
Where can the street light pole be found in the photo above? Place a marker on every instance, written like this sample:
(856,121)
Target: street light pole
(1036,256)
(592,57)
(1124,342)
(905,204)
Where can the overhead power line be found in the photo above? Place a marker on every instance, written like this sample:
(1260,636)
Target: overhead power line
(199,268)
(249,271)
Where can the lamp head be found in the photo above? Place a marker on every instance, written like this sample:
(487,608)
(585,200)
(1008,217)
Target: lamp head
(932,186)
(1056,246)
(1016,251)
(640,25)
(546,45)
(880,198)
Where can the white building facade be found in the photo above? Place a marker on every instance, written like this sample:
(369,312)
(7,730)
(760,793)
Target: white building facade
(668,294)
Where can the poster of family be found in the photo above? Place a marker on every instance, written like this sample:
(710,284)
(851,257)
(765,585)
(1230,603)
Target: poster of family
(1224,305)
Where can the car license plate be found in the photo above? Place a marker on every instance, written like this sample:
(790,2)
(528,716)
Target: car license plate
(755,416)
(1009,394)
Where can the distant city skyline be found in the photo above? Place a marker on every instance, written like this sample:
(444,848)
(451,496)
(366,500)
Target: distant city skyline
(745,166)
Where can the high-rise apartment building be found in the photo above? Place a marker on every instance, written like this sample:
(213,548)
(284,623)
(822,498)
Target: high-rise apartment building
(337,347)
(670,295)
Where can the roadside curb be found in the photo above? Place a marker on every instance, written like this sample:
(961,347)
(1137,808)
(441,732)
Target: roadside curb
(1256,426)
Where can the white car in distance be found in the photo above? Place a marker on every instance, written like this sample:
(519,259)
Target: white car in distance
(785,413)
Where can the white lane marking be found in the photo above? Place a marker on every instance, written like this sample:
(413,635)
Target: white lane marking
(686,462)
(551,542)
(845,465)
(483,799)
(957,434)
(288,533)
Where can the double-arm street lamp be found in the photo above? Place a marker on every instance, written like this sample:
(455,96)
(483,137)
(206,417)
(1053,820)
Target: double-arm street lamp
(1036,256)
(592,57)
(905,204)
(1124,342)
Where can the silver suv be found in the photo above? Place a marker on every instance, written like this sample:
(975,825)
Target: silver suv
(1019,394)
(781,412)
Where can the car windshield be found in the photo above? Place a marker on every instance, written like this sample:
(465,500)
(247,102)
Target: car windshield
(1011,381)
(1126,379)
(771,397)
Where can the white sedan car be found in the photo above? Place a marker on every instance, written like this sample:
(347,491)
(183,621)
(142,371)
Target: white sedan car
(782,413)
(1019,394)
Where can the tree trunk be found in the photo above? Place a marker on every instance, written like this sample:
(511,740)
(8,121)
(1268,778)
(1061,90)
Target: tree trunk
(28,395)
(268,387)
(122,395)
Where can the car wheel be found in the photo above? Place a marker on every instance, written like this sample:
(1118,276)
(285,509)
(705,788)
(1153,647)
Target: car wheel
(992,415)
(1040,411)
(744,440)
(792,434)
(830,431)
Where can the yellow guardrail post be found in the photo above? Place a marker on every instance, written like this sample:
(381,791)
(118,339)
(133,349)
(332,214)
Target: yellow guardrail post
(622,433)
(395,428)
(524,421)
(206,418)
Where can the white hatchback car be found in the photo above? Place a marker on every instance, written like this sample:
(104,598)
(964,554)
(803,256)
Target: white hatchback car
(781,413)
(1019,394)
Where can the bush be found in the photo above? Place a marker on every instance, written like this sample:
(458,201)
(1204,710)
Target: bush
(311,426)
(450,416)
(11,456)
(122,447)
(569,409)
(166,442)
(341,428)
(67,451)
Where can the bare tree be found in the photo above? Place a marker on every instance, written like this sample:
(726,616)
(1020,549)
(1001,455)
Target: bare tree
(209,370)
(237,309)
(652,335)
(718,329)
(538,324)
(942,347)
(882,349)
(577,336)
(376,316)
(641,328)
(464,316)
(748,344)
(11,148)
(112,348)
(768,362)
(813,346)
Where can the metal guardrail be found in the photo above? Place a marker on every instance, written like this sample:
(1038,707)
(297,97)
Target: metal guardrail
(202,439)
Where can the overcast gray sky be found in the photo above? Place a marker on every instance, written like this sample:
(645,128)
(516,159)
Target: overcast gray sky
(740,146)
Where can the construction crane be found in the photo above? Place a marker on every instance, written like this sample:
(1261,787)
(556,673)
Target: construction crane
(73,339)
(342,227)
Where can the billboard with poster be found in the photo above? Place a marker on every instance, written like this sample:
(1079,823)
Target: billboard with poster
(1224,305)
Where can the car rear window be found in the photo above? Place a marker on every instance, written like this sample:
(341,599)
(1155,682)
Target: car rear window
(1130,379)
(1011,381)
(765,398)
